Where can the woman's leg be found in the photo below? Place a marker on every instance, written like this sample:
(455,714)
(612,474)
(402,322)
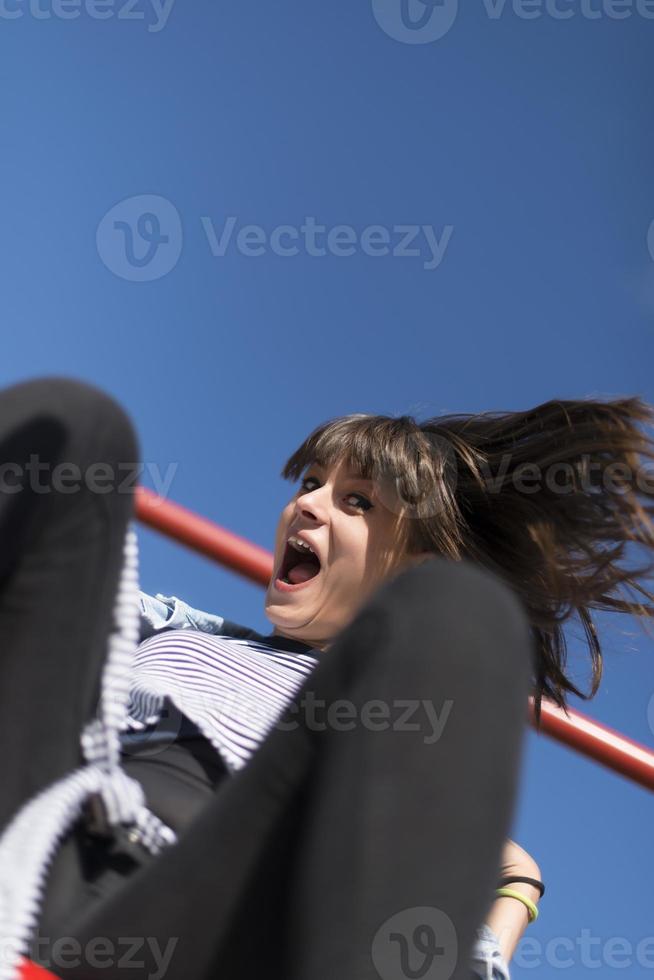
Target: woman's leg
(400,846)
(361,843)
(63,521)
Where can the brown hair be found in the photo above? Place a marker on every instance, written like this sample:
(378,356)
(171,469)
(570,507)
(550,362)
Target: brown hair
(487,487)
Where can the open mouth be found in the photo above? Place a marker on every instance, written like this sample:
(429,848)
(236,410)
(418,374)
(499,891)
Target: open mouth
(298,566)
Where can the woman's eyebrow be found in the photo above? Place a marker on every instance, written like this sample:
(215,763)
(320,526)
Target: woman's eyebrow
(350,475)
(356,478)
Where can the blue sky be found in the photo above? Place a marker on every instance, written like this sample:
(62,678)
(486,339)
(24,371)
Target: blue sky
(514,138)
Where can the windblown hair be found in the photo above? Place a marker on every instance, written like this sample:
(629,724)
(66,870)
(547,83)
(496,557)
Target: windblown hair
(550,500)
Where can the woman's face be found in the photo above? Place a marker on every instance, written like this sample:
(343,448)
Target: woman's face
(355,537)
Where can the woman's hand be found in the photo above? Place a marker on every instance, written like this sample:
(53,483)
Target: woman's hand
(508,918)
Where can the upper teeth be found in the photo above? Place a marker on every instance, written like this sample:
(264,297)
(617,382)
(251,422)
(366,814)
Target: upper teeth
(297,543)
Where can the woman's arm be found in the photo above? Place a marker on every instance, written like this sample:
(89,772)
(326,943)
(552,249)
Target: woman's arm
(508,917)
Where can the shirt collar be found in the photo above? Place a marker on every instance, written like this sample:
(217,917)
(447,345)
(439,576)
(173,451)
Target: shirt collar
(285,643)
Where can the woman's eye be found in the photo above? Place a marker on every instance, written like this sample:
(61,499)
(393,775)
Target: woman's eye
(364,504)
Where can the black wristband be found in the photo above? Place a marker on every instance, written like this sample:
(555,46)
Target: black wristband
(530,881)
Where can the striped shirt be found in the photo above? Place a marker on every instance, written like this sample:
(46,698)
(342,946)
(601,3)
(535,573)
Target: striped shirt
(232,687)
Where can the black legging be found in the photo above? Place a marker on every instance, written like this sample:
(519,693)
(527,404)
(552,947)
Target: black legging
(357,854)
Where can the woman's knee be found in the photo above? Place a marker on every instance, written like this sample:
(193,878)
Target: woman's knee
(444,607)
(459,585)
(73,422)
(438,623)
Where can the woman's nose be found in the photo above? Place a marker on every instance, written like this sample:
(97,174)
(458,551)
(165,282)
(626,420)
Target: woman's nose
(312,505)
(307,510)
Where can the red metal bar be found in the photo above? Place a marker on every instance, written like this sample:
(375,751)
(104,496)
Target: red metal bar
(202,535)
(599,742)
(577,731)
(32,971)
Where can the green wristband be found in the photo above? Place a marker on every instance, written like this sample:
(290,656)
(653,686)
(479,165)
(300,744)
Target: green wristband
(531,907)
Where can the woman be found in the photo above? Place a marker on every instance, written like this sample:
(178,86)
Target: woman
(369,848)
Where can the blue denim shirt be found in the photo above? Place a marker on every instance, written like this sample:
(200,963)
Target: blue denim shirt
(160,612)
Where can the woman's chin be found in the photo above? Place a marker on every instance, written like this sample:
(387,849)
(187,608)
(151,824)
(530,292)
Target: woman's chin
(282,611)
